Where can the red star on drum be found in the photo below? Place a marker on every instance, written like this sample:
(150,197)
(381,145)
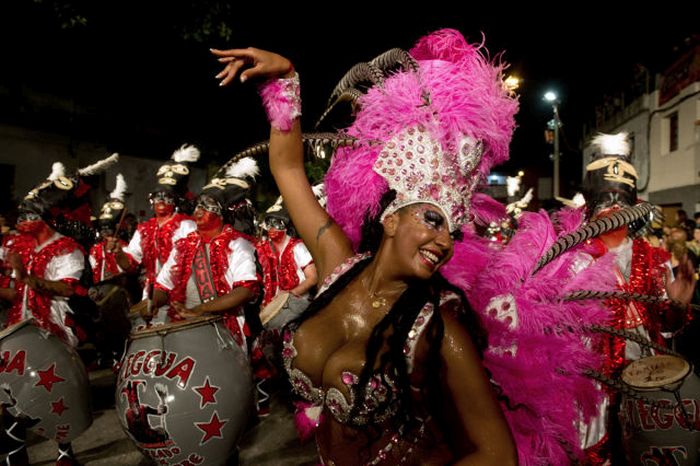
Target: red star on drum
(212,428)
(58,407)
(207,393)
(48,377)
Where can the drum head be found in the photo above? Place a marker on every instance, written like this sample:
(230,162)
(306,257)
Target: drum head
(655,372)
(274,307)
(175,326)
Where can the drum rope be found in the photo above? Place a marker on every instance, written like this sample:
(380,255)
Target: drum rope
(9,433)
(222,342)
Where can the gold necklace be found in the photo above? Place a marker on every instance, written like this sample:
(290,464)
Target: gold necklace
(377,301)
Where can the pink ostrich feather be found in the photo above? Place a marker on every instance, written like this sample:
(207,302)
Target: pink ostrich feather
(538,363)
(487,209)
(282,102)
(466,97)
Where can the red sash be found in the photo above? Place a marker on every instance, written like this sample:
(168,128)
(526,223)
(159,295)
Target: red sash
(202,274)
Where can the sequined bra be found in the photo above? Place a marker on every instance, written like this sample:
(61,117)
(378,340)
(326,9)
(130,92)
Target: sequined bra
(381,393)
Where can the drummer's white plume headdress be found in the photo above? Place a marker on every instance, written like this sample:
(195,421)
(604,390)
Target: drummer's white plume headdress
(186,153)
(57,170)
(119,189)
(100,166)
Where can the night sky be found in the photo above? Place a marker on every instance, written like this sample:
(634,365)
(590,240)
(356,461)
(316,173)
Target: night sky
(141,88)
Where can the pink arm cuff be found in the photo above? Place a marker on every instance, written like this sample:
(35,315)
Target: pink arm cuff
(282,101)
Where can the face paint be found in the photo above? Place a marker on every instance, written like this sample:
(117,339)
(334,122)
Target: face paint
(422,240)
(30,227)
(206,220)
(276,235)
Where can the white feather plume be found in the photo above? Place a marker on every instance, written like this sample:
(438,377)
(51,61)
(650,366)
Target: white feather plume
(579,200)
(119,189)
(186,153)
(320,193)
(57,170)
(100,166)
(612,144)
(244,168)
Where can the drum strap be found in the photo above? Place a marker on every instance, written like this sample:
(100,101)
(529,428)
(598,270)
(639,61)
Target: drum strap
(202,274)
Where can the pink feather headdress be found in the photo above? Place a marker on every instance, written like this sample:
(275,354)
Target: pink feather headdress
(457,99)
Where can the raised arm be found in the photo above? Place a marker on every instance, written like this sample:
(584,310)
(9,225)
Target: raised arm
(325,240)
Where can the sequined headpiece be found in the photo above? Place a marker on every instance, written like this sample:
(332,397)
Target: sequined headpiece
(448,94)
(414,165)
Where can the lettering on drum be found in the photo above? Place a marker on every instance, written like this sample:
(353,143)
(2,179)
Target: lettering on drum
(158,454)
(13,363)
(192,460)
(664,455)
(159,363)
(62,431)
(640,416)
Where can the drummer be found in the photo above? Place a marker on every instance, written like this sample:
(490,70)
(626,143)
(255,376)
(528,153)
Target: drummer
(610,185)
(109,279)
(286,262)
(47,264)
(212,270)
(151,244)
(287,267)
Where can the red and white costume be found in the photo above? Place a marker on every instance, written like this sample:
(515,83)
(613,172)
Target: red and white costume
(230,257)
(103,263)
(58,259)
(282,272)
(152,243)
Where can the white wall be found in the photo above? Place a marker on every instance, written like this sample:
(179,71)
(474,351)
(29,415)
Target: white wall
(33,152)
(680,167)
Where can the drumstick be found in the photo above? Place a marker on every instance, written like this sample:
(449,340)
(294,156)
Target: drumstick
(121,220)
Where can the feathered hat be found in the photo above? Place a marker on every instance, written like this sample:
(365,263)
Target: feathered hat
(277,210)
(62,200)
(173,176)
(429,130)
(230,188)
(114,208)
(611,179)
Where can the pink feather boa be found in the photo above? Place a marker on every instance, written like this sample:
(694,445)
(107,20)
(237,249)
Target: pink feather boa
(538,356)
(282,101)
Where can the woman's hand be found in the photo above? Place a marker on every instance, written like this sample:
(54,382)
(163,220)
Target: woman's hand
(258,63)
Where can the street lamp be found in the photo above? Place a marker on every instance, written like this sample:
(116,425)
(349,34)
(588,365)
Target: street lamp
(554,125)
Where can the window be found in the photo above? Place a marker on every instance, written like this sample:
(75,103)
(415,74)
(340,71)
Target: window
(673,132)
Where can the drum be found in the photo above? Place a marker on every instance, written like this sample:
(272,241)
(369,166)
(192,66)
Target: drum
(667,429)
(284,308)
(185,392)
(43,382)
